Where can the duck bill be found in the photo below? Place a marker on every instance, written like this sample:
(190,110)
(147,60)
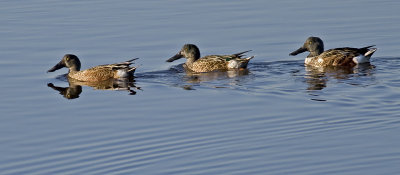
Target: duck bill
(175,57)
(300,50)
(57,66)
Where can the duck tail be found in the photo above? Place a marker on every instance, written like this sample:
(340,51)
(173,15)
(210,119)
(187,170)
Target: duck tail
(129,61)
(241,53)
(131,70)
(368,47)
(123,64)
(249,58)
(370,51)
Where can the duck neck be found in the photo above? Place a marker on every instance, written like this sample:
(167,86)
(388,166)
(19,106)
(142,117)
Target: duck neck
(316,49)
(314,53)
(190,61)
(74,69)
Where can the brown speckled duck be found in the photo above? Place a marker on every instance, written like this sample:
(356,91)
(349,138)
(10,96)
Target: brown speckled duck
(345,56)
(94,74)
(211,62)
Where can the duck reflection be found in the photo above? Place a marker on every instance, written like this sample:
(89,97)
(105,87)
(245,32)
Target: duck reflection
(188,80)
(193,77)
(75,87)
(317,77)
(71,92)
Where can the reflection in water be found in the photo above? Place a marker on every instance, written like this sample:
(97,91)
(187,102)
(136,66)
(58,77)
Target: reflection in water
(317,78)
(75,86)
(178,76)
(193,77)
(70,92)
(230,78)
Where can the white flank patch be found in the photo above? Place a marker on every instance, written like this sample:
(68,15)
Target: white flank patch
(233,64)
(122,73)
(361,59)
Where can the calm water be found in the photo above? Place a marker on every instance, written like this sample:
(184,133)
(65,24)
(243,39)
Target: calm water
(279,117)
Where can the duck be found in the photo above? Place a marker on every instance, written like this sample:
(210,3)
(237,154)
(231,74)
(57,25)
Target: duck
(97,73)
(210,63)
(345,56)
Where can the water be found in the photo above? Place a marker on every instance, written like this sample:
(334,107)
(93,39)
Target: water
(279,117)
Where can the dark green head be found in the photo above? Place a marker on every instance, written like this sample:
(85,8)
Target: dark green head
(313,44)
(189,51)
(69,61)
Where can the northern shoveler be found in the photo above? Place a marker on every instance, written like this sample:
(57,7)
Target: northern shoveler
(211,62)
(94,74)
(345,56)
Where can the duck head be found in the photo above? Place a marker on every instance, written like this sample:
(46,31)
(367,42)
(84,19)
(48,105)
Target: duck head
(313,44)
(69,61)
(188,51)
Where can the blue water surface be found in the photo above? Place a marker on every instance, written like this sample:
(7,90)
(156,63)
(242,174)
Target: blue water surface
(277,117)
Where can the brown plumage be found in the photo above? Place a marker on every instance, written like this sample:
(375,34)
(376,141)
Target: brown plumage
(211,62)
(94,74)
(345,56)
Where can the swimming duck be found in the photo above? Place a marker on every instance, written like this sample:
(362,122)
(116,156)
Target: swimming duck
(94,74)
(211,62)
(345,56)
